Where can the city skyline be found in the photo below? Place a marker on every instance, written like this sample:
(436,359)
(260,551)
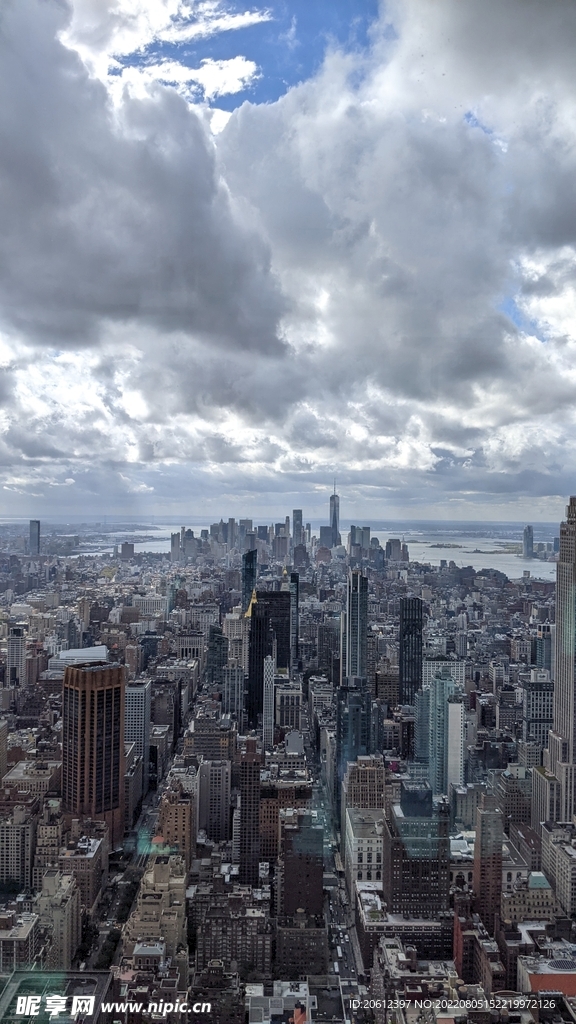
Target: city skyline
(339,242)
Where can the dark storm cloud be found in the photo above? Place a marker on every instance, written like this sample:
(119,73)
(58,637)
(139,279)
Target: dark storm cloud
(115,215)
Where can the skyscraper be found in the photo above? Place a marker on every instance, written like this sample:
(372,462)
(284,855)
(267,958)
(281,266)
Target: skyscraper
(93,708)
(487,874)
(34,536)
(16,657)
(446,734)
(214,799)
(268,704)
(296,526)
(353,729)
(335,517)
(559,758)
(279,604)
(294,619)
(250,764)
(137,723)
(356,624)
(528,542)
(249,565)
(410,642)
(260,645)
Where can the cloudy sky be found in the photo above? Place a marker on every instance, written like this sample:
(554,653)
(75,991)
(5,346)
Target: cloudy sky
(246,249)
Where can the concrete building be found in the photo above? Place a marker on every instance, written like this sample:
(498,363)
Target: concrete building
(84,858)
(38,777)
(17,843)
(177,822)
(58,907)
(363,787)
(20,940)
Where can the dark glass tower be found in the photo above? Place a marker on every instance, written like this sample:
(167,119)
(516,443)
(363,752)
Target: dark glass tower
(249,566)
(356,624)
(260,646)
(278,603)
(410,642)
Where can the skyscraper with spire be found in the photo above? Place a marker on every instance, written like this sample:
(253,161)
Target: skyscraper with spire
(335,517)
(560,757)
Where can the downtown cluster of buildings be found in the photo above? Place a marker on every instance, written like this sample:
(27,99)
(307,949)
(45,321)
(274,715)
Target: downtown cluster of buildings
(281,772)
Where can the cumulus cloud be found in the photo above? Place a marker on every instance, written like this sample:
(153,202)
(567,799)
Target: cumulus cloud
(372,276)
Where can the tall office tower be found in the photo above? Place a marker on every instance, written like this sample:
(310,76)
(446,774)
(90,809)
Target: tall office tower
(487,872)
(353,729)
(356,624)
(250,764)
(93,704)
(294,619)
(216,656)
(279,603)
(416,855)
(335,517)
(561,754)
(214,799)
(137,723)
(15,657)
(446,734)
(268,704)
(296,526)
(260,646)
(34,536)
(528,542)
(410,643)
(233,691)
(249,568)
(300,870)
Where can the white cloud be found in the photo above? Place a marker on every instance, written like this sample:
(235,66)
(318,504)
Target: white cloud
(316,289)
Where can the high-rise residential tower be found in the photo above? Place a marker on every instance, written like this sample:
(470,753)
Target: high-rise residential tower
(356,624)
(268,704)
(93,708)
(250,764)
(34,537)
(410,642)
(294,619)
